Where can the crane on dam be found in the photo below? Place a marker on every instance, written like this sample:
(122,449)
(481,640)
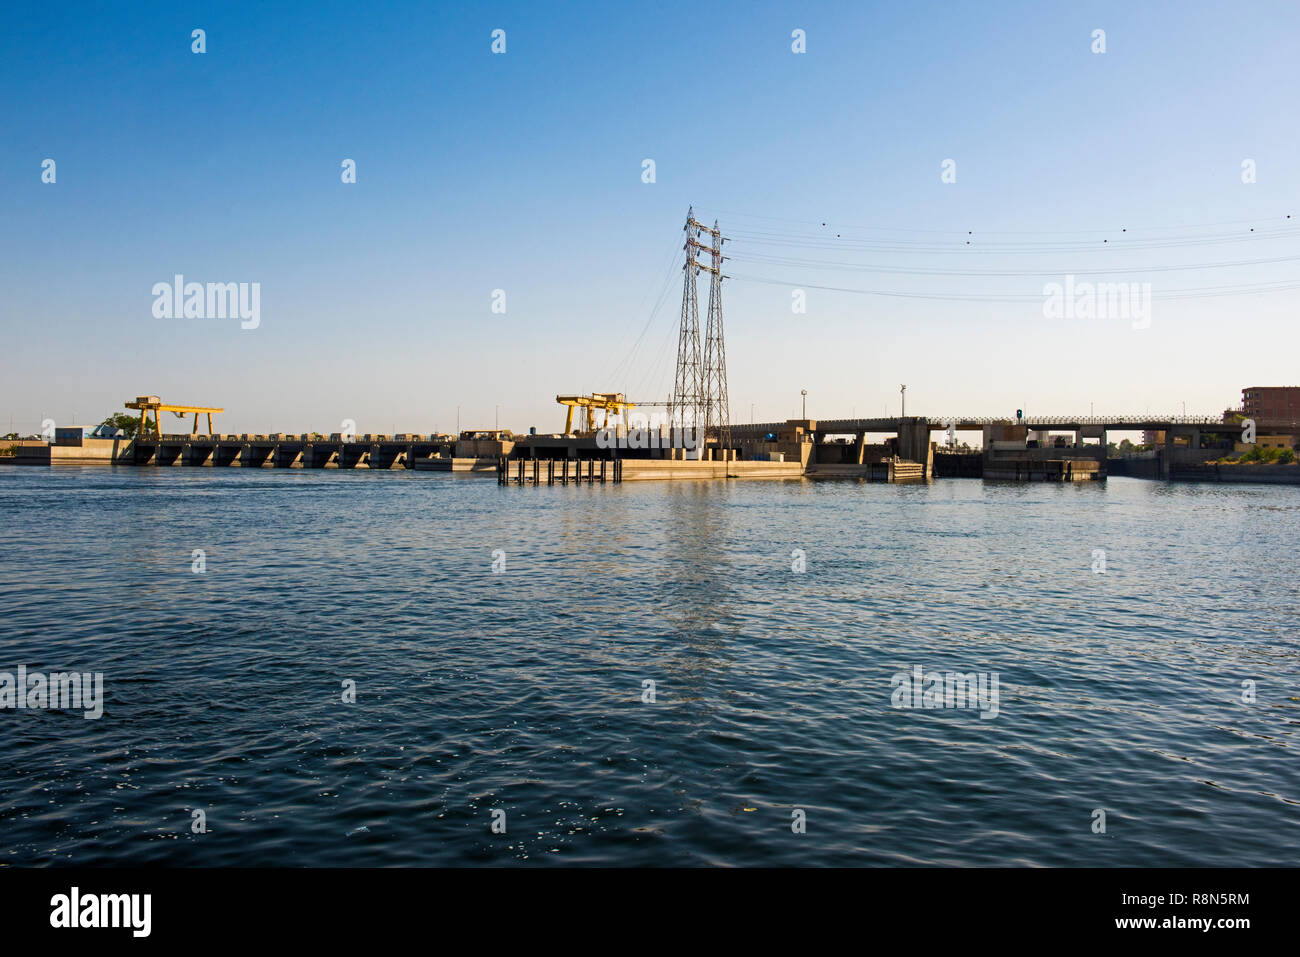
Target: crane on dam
(151,403)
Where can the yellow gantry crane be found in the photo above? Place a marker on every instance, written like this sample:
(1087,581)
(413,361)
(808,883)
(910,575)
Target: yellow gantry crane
(607,402)
(151,403)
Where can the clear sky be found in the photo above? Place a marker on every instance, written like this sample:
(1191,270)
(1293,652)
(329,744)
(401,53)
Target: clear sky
(522,172)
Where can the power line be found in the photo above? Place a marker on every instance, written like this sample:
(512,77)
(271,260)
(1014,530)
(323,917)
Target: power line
(652,378)
(975,245)
(628,359)
(914,271)
(1204,292)
(1002,232)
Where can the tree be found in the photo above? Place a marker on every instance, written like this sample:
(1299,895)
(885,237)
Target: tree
(120,420)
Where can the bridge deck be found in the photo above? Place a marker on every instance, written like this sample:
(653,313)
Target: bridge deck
(1116,423)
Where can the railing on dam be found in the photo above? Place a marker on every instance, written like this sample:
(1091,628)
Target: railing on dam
(967,422)
(1117,422)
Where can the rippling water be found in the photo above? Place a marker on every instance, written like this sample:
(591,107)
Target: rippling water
(522,691)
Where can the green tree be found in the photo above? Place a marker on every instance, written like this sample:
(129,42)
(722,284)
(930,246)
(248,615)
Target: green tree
(120,420)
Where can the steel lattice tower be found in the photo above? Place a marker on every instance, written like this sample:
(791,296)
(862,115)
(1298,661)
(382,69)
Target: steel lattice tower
(685,408)
(699,399)
(717,411)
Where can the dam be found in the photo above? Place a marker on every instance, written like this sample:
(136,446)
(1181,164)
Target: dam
(888,449)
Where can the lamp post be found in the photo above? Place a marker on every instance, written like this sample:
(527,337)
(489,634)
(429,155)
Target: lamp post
(902,391)
(804,393)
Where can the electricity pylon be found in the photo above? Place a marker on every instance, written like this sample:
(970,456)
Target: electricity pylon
(717,411)
(699,399)
(685,409)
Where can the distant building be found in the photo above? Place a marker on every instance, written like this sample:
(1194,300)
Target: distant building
(1272,405)
(72,434)
(1267,442)
(77,434)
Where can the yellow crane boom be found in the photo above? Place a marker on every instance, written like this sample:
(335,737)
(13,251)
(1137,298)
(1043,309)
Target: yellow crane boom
(607,402)
(151,403)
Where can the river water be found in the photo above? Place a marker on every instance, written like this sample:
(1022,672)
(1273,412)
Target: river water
(501,640)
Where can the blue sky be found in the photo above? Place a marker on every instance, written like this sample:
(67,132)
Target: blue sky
(522,172)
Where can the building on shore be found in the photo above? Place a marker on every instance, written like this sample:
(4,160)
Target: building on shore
(1272,405)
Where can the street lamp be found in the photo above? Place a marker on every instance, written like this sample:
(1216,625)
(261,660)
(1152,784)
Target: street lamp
(902,391)
(804,393)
